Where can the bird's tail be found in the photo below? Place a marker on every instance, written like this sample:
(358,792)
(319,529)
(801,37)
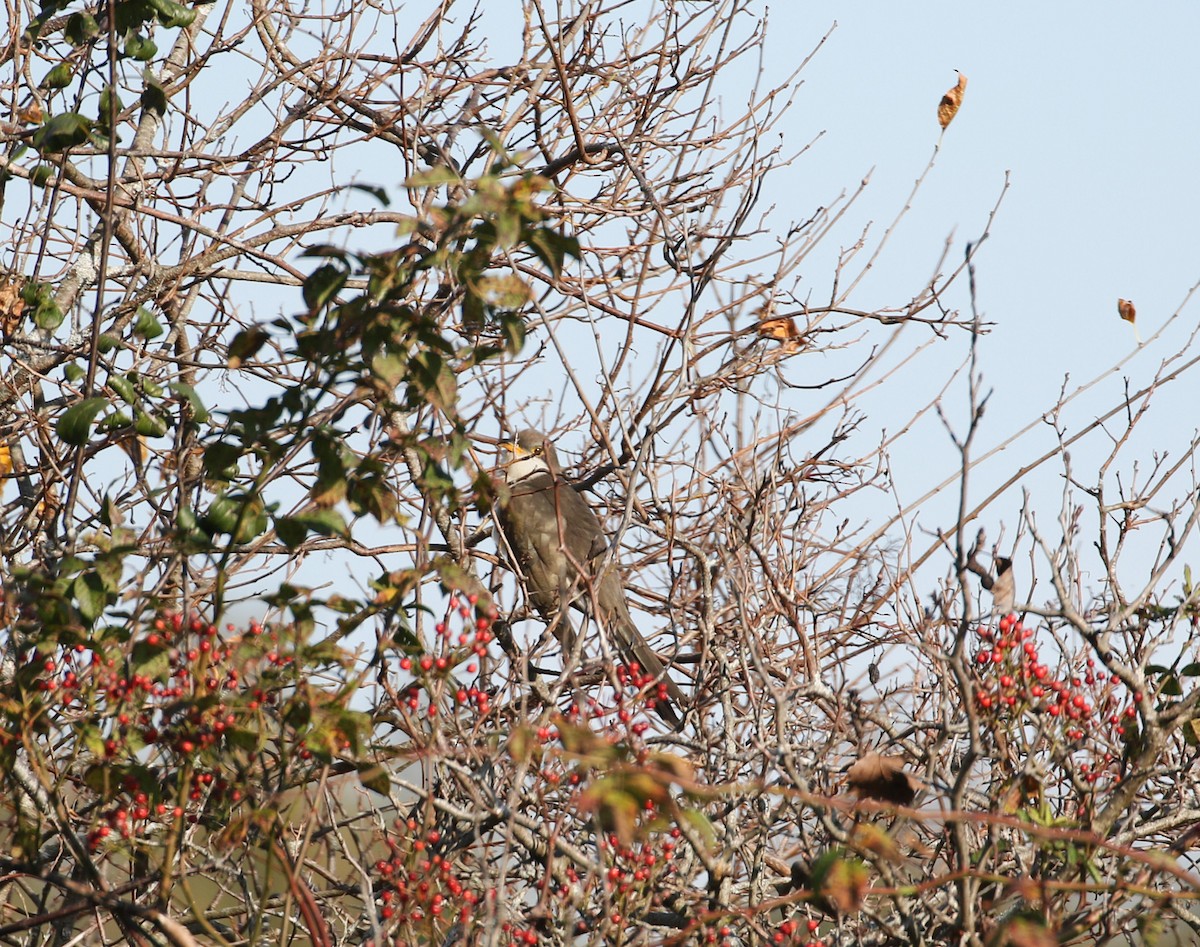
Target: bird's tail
(636,649)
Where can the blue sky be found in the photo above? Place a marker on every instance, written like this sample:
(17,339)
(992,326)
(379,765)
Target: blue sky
(1090,111)
(1087,109)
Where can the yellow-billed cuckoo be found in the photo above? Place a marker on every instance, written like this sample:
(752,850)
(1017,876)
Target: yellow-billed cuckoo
(560,546)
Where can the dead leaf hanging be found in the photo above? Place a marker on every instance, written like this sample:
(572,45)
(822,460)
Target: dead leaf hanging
(948,107)
(783,330)
(12,306)
(882,777)
(1126,310)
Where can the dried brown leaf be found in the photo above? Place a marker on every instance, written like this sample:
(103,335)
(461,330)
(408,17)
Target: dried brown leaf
(882,777)
(135,446)
(1127,311)
(12,306)
(948,107)
(783,330)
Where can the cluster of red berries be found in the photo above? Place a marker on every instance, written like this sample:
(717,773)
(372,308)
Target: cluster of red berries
(133,812)
(791,931)
(451,649)
(633,678)
(631,867)
(181,686)
(1011,679)
(418,886)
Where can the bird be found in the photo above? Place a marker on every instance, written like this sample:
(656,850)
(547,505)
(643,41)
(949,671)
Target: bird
(1003,588)
(559,546)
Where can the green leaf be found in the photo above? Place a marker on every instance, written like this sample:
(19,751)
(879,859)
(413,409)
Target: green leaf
(153,661)
(61,132)
(124,387)
(139,47)
(375,777)
(40,299)
(50,9)
(330,486)
(73,371)
(150,425)
(146,326)
(512,326)
(154,98)
(292,530)
(75,425)
(114,422)
(80,28)
(552,248)
(199,412)
(251,740)
(220,460)
(508,229)
(389,368)
(110,512)
(40,175)
(235,514)
(323,284)
(434,177)
(376,192)
(109,569)
(59,77)
(90,596)
(172,14)
(245,345)
(433,380)
(110,106)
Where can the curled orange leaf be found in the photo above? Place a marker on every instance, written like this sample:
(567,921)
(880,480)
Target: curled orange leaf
(948,107)
(783,330)
(1126,310)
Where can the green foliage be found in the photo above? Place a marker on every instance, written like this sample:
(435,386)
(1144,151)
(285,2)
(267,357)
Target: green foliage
(39,298)
(390,344)
(59,77)
(75,424)
(61,132)
(146,325)
(161,724)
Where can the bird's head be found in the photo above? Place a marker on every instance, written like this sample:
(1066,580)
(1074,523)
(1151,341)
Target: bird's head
(530,452)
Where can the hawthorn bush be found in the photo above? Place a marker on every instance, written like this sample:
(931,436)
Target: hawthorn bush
(276,281)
